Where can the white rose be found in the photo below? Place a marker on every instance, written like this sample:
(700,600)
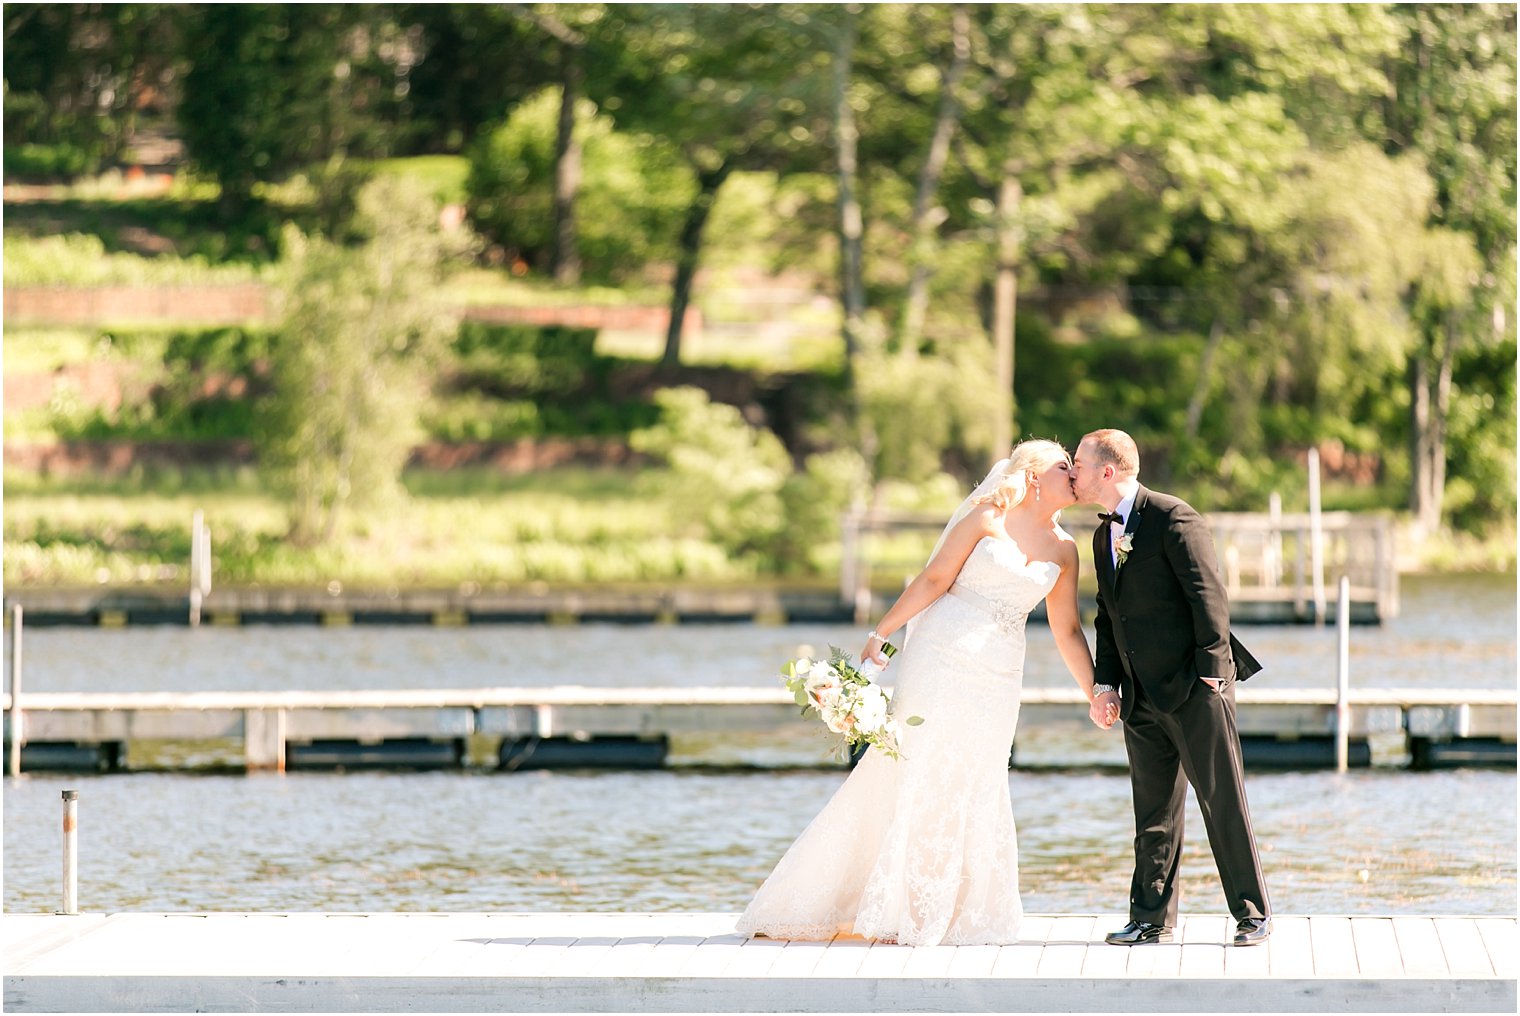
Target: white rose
(820,678)
(872,712)
(828,698)
(838,720)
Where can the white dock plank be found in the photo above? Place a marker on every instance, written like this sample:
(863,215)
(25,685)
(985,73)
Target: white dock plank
(1151,961)
(589,962)
(1104,960)
(626,958)
(930,961)
(1420,949)
(580,957)
(842,958)
(1022,958)
(715,953)
(1466,953)
(1334,948)
(798,959)
(973,961)
(883,960)
(1203,938)
(1377,948)
(754,958)
(1066,946)
(1291,948)
(1503,941)
(463,949)
(1249,961)
(24,937)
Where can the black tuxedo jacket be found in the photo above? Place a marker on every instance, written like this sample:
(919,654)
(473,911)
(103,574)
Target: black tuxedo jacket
(1163,617)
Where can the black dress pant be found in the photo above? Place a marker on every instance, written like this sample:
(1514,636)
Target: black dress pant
(1199,744)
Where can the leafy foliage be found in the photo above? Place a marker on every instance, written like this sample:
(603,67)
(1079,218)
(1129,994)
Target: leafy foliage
(356,325)
(629,201)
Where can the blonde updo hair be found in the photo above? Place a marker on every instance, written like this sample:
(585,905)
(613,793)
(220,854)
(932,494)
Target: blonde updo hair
(1027,457)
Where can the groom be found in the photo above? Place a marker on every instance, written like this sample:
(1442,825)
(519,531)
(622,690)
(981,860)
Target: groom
(1167,666)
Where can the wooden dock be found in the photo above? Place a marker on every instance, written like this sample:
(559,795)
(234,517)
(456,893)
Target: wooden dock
(429,727)
(461,962)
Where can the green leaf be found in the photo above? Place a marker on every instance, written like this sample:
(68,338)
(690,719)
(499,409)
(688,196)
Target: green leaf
(914,721)
(802,698)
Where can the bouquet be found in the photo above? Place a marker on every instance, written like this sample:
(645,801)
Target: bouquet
(846,699)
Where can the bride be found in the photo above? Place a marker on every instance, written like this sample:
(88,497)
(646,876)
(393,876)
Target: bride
(922,850)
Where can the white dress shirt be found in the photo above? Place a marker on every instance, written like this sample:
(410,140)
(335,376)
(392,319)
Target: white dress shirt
(1116,529)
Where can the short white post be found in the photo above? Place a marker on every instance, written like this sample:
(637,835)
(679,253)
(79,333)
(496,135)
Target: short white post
(17,733)
(1343,677)
(1316,539)
(1272,547)
(849,536)
(196,523)
(70,852)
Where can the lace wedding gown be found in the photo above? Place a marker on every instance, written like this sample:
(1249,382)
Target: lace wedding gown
(922,850)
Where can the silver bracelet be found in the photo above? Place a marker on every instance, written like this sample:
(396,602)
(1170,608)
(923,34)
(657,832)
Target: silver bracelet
(873,634)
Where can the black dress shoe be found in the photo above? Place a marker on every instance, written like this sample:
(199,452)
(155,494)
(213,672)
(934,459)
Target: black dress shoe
(1139,933)
(1253,930)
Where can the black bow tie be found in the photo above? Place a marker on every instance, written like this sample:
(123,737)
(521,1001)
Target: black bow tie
(1111,517)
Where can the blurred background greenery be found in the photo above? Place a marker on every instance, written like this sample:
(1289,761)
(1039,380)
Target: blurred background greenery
(591,293)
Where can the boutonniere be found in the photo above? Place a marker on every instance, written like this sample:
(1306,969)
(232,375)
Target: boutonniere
(1123,545)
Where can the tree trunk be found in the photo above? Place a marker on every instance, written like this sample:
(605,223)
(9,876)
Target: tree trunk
(1004,304)
(565,260)
(1440,413)
(1424,501)
(851,221)
(689,253)
(1201,387)
(926,216)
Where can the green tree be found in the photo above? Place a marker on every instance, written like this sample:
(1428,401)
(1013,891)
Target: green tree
(630,196)
(1453,103)
(729,90)
(77,78)
(357,325)
(274,87)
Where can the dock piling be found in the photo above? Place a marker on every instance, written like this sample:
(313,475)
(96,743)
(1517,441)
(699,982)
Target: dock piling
(70,852)
(1316,539)
(200,565)
(17,734)
(1343,676)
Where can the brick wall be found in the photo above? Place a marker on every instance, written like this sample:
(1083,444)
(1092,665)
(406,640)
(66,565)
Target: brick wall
(63,305)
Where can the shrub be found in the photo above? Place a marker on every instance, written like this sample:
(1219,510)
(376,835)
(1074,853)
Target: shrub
(632,194)
(525,359)
(723,473)
(357,324)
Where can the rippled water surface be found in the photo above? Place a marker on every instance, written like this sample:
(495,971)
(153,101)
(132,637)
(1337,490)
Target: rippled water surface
(1371,842)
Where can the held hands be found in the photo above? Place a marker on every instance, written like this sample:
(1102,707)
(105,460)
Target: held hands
(1104,710)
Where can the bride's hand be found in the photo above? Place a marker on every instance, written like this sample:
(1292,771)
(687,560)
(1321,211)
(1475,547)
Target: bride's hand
(1104,710)
(872,651)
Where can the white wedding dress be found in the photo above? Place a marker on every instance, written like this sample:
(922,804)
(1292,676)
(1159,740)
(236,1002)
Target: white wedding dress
(922,850)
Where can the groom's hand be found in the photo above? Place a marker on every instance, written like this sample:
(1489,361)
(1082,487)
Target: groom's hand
(1104,710)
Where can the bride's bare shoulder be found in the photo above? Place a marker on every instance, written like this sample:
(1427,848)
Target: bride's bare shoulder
(1066,549)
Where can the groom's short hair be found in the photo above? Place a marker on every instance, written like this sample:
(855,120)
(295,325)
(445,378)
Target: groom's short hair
(1116,447)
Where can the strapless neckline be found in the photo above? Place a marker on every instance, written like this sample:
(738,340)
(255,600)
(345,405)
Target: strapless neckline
(1029,562)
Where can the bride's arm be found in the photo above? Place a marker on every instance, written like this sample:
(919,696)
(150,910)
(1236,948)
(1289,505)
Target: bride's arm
(1066,621)
(930,584)
(1066,626)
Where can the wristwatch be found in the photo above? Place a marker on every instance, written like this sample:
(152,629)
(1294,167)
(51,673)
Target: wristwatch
(1103,689)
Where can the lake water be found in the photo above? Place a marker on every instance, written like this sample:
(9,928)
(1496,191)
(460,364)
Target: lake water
(1376,841)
